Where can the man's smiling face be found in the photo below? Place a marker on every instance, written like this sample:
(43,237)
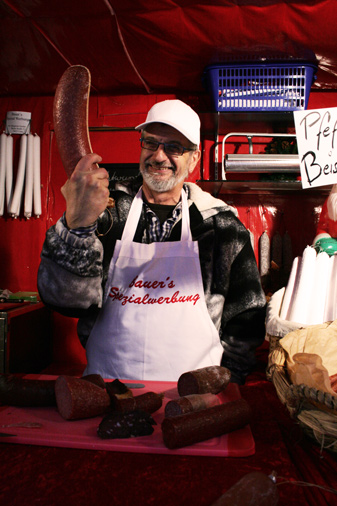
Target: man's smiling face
(161,171)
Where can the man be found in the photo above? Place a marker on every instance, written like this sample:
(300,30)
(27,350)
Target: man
(172,283)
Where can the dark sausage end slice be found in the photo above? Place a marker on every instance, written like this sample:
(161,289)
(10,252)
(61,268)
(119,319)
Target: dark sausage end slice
(78,399)
(212,379)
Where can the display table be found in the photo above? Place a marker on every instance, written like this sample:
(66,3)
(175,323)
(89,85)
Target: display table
(48,476)
(25,337)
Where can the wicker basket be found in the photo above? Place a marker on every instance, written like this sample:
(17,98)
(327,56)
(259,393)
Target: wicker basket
(315,411)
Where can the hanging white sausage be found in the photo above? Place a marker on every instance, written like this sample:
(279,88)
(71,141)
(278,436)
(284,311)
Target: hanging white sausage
(28,203)
(37,176)
(3,144)
(264,254)
(16,202)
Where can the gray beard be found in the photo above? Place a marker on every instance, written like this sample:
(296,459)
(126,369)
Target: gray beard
(162,186)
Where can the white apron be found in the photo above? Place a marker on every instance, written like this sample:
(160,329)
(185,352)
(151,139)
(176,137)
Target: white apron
(154,323)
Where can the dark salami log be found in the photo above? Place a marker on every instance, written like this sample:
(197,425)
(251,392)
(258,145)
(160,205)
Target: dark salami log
(148,402)
(193,402)
(254,489)
(70,112)
(78,399)
(185,430)
(212,379)
(16,391)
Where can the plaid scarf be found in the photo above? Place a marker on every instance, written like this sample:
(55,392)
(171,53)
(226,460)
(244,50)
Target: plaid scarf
(157,232)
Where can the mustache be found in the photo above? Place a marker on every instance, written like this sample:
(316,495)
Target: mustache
(161,165)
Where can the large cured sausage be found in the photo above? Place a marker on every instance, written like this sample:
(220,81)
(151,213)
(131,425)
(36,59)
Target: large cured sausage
(212,379)
(70,112)
(188,403)
(17,391)
(70,115)
(185,430)
(148,402)
(253,489)
(78,399)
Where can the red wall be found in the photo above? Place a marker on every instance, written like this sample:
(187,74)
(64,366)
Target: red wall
(21,240)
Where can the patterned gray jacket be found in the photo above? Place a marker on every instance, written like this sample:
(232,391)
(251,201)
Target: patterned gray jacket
(73,273)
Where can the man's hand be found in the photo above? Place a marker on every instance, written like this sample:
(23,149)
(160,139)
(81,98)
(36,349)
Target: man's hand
(86,192)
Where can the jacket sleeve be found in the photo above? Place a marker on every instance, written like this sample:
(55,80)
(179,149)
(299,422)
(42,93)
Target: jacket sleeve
(243,318)
(70,271)
(231,275)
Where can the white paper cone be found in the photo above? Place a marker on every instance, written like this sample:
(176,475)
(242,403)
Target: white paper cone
(289,291)
(330,313)
(298,310)
(316,313)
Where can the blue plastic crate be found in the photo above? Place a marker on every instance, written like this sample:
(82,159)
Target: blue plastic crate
(260,86)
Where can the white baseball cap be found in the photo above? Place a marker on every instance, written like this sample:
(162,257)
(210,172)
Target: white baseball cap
(178,115)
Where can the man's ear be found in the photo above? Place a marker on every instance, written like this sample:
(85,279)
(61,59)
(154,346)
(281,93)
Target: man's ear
(195,157)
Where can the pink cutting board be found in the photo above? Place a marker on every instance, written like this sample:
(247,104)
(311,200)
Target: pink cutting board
(55,431)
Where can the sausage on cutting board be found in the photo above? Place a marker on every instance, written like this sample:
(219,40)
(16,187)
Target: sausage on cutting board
(17,391)
(184,430)
(78,399)
(188,403)
(148,402)
(212,379)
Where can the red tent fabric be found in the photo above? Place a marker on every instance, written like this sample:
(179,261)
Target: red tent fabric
(139,46)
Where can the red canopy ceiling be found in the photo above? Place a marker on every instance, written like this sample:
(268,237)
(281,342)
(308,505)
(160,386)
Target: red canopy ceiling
(151,46)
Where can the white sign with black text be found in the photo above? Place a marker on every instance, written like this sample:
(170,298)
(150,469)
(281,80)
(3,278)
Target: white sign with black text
(18,122)
(316,132)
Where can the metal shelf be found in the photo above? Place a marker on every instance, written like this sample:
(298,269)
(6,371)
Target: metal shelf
(217,188)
